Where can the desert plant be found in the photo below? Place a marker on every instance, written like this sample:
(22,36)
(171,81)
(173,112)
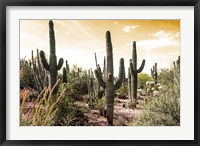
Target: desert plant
(163,110)
(42,111)
(26,76)
(108,84)
(154,74)
(52,66)
(39,73)
(68,112)
(142,79)
(134,74)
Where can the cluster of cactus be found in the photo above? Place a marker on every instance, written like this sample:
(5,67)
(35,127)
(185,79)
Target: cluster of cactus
(52,66)
(100,90)
(154,74)
(133,75)
(108,84)
(177,70)
(39,73)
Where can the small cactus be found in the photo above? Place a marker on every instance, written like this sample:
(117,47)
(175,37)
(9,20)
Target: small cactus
(64,79)
(134,74)
(52,66)
(108,84)
(154,74)
(65,72)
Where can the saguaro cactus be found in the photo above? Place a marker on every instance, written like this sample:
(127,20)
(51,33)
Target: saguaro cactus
(64,79)
(108,84)
(154,73)
(65,72)
(39,73)
(134,73)
(52,66)
(129,84)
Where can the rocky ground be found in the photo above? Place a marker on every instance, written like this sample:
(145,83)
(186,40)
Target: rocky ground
(123,114)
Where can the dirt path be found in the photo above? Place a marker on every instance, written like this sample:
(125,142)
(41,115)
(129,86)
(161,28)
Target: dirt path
(123,115)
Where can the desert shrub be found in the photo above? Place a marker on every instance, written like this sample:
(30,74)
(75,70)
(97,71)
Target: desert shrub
(166,77)
(42,111)
(26,77)
(123,90)
(96,103)
(77,80)
(68,112)
(142,79)
(163,110)
(51,110)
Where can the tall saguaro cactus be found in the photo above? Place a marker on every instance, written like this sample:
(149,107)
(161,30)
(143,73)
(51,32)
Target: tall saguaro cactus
(154,73)
(108,84)
(134,73)
(52,66)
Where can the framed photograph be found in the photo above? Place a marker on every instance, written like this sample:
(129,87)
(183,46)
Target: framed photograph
(99,72)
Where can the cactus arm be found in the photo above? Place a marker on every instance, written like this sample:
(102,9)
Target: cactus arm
(141,67)
(152,72)
(95,59)
(60,63)
(99,79)
(44,61)
(121,75)
(67,66)
(99,70)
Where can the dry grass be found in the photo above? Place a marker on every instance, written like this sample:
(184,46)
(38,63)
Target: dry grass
(42,111)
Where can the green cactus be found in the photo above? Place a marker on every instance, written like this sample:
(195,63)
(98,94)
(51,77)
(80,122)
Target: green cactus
(64,78)
(134,74)
(129,84)
(154,74)
(124,78)
(52,66)
(65,73)
(108,84)
(39,73)
(67,67)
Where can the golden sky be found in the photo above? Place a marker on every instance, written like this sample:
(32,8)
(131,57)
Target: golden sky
(78,40)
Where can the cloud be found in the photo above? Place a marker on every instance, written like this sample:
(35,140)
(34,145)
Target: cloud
(149,44)
(162,35)
(162,39)
(129,28)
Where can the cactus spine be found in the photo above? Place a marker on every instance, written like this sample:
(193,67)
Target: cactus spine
(108,84)
(134,74)
(52,66)
(154,74)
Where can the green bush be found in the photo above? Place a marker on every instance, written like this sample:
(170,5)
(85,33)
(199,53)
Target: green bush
(123,90)
(26,76)
(142,79)
(163,110)
(68,112)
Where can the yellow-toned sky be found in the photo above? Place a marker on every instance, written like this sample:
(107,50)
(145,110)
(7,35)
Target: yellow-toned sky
(78,40)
